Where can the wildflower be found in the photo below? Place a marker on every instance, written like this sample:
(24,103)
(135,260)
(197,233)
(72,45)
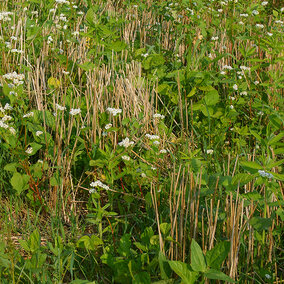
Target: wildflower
(126,143)
(114,111)
(220,10)
(40,161)
(153,168)
(231,107)
(244,15)
(282,9)
(157,115)
(267,276)
(80,13)
(12,130)
(16,78)
(62,2)
(163,151)
(145,55)
(244,93)
(125,158)
(278,22)
(256,82)
(4,16)
(244,68)
(152,137)
(52,10)
(227,67)
(30,114)
(260,113)
(13,38)
(65,72)
(6,117)
(265,174)
(49,40)
(3,125)
(223,72)
(264,3)
(108,126)
(75,111)
(214,38)
(38,133)
(76,33)
(143,175)
(59,107)
(255,12)
(156,142)
(29,150)
(235,87)
(260,26)
(98,183)
(269,34)
(209,151)
(241,23)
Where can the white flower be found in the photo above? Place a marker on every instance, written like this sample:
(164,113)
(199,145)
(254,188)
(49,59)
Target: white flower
(244,68)
(3,125)
(231,107)
(227,67)
(13,38)
(232,98)
(16,78)
(209,151)
(52,10)
(29,150)
(153,168)
(265,174)
(260,26)
(260,113)
(143,175)
(264,3)
(6,117)
(80,13)
(62,2)
(7,107)
(152,137)
(75,33)
(223,72)
(38,133)
(163,151)
(34,13)
(282,9)
(65,72)
(156,143)
(145,55)
(269,34)
(59,107)
(256,82)
(30,114)
(241,23)
(235,87)
(267,276)
(126,143)
(220,10)
(157,115)
(114,111)
(244,15)
(278,22)
(12,130)
(98,183)
(108,126)
(214,38)
(75,111)
(244,93)
(49,40)
(125,158)
(255,12)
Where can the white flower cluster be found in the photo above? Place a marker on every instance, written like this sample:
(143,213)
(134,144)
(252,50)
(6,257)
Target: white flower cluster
(259,26)
(125,158)
(244,15)
(209,151)
(59,107)
(214,38)
(265,174)
(6,107)
(114,111)
(244,68)
(227,67)
(38,133)
(108,126)
(163,151)
(75,111)
(152,137)
(62,2)
(157,115)
(235,87)
(16,78)
(98,183)
(29,150)
(15,50)
(4,16)
(30,114)
(126,143)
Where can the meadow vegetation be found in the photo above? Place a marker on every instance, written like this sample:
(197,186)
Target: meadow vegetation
(141,141)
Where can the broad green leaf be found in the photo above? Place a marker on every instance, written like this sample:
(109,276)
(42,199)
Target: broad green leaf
(12,167)
(252,167)
(142,278)
(124,245)
(218,254)
(198,262)
(164,266)
(260,224)
(184,272)
(211,98)
(19,182)
(218,275)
